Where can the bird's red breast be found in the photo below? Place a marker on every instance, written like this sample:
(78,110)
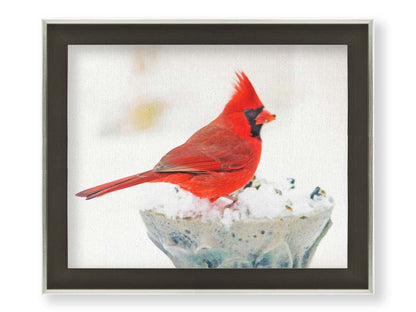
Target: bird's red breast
(218,159)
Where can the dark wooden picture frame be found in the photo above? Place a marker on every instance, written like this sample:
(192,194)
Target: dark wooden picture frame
(356,35)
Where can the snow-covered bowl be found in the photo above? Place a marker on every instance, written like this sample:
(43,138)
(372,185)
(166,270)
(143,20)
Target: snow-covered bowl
(264,228)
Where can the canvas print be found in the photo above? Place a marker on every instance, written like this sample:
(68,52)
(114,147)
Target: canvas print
(207,156)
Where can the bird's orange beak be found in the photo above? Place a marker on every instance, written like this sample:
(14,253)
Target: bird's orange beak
(264,117)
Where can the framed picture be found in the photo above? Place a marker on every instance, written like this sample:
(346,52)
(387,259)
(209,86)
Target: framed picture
(183,156)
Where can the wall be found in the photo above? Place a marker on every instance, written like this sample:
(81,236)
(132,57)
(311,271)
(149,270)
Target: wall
(20,124)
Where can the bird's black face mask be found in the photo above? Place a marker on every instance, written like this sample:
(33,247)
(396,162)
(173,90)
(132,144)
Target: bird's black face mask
(251,115)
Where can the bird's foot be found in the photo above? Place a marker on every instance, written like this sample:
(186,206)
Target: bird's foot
(230,205)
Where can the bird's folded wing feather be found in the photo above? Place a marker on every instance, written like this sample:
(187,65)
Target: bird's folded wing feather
(207,151)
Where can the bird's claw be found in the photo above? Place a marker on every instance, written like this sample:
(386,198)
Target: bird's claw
(230,205)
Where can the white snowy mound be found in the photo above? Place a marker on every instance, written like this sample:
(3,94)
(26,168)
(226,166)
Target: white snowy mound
(259,199)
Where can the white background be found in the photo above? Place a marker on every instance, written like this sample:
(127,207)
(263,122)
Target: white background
(305,86)
(21,231)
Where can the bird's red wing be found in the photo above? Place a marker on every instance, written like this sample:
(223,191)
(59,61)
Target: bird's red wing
(208,150)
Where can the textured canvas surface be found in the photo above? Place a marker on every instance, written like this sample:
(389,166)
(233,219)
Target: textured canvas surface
(129,105)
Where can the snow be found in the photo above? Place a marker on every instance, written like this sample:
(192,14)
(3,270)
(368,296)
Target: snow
(261,199)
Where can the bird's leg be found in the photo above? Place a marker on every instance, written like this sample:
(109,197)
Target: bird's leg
(232,198)
(230,205)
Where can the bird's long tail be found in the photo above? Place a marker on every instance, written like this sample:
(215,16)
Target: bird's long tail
(116,185)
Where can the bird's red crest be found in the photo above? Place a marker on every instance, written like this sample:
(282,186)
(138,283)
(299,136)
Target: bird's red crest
(244,97)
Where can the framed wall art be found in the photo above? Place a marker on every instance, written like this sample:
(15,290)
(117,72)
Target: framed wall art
(208,156)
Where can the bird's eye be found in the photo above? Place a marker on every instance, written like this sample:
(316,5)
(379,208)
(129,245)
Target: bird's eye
(251,114)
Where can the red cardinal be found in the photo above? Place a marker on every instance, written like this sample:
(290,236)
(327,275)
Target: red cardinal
(218,159)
